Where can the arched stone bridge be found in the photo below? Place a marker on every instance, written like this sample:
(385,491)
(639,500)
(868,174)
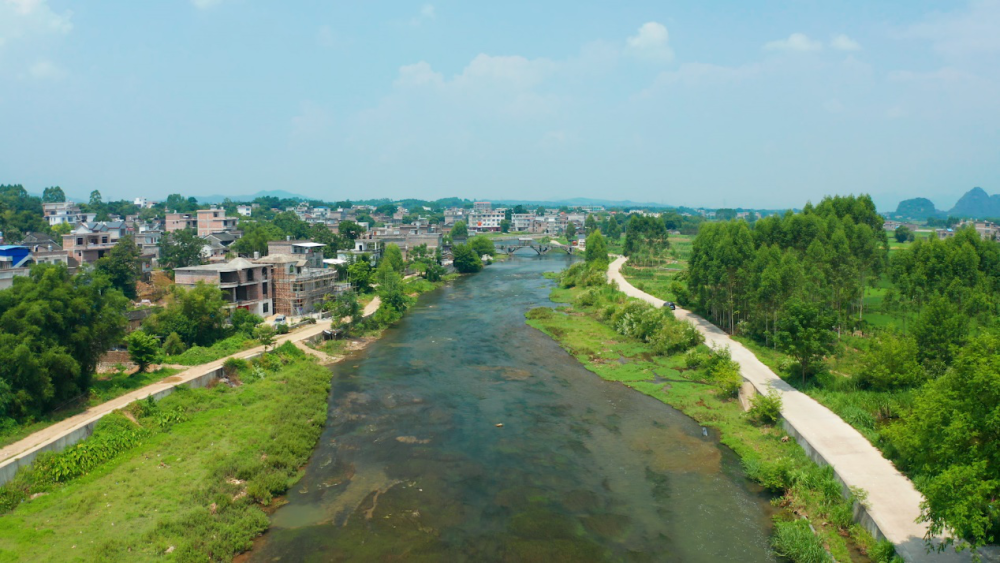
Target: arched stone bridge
(512,245)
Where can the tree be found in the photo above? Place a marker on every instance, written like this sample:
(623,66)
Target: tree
(459,230)
(614,230)
(173,345)
(804,333)
(482,245)
(434,272)
(951,439)
(244,321)
(53,329)
(96,201)
(591,223)
(466,260)
(256,235)
(122,265)
(540,211)
(180,249)
(940,331)
(265,335)
(508,215)
(19,212)
(143,349)
(394,257)
(891,364)
(505,226)
(570,231)
(903,234)
(519,210)
(390,288)
(54,194)
(597,248)
(351,230)
(196,315)
(344,306)
(359,273)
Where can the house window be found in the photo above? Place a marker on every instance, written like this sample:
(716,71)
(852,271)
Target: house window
(104,240)
(266,307)
(79,241)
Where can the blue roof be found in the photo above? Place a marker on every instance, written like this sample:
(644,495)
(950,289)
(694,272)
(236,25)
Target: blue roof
(11,246)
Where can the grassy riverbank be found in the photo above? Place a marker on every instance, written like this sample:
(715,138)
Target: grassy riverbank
(103,389)
(190,476)
(769,457)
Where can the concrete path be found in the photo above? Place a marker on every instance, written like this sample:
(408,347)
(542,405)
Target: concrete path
(893,503)
(45,438)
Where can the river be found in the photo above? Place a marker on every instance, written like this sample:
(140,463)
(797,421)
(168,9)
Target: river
(412,465)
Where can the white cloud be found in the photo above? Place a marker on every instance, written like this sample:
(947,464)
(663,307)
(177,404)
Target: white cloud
(795,42)
(652,41)
(426,14)
(844,43)
(946,75)
(46,70)
(206,4)
(969,31)
(28,18)
(418,74)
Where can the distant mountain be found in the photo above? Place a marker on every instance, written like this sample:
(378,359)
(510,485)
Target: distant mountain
(280,194)
(917,208)
(977,203)
(577,202)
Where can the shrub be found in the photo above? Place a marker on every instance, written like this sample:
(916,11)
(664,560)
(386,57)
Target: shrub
(540,313)
(233,365)
(796,541)
(766,409)
(173,345)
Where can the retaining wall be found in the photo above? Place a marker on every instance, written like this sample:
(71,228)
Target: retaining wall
(10,467)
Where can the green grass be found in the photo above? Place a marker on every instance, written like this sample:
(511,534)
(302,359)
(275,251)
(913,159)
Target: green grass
(197,355)
(781,466)
(176,490)
(103,389)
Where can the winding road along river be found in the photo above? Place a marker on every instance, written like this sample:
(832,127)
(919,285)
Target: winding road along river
(413,465)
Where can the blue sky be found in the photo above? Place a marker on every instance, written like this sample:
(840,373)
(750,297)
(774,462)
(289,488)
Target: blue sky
(753,104)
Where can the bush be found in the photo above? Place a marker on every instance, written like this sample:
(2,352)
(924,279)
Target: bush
(173,345)
(766,409)
(540,313)
(796,541)
(234,365)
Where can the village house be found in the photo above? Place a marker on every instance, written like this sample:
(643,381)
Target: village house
(301,282)
(14,261)
(89,242)
(214,220)
(57,213)
(180,221)
(244,285)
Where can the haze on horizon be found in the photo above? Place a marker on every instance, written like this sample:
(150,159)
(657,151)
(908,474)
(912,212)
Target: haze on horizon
(763,106)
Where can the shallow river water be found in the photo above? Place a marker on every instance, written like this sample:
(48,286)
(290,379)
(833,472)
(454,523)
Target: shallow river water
(413,467)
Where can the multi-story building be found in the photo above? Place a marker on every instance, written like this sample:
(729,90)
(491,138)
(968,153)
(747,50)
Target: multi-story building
(214,221)
(244,210)
(14,261)
(45,249)
(244,285)
(486,220)
(521,221)
(482,206)
(57,213)
(179,222)
(89,242)
(300,280)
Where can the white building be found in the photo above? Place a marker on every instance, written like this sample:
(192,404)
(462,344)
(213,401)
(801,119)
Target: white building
(244,210)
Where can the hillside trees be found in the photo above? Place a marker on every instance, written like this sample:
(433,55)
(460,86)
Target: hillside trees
(196,315)
(19,212)
(645,238)
(53,194)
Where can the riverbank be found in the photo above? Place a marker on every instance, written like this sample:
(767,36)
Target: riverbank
(193,475)
(769,456)
(186,476)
